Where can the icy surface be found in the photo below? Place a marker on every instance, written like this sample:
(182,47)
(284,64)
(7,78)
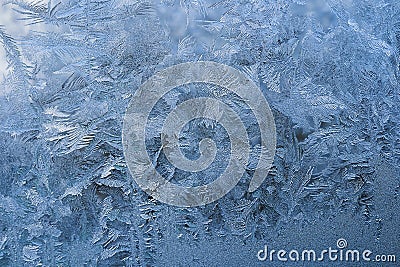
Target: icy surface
(329,70)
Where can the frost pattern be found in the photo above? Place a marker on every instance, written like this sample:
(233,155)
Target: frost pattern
(329,70)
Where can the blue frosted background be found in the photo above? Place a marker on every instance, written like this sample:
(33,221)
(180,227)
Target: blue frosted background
(330,71)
